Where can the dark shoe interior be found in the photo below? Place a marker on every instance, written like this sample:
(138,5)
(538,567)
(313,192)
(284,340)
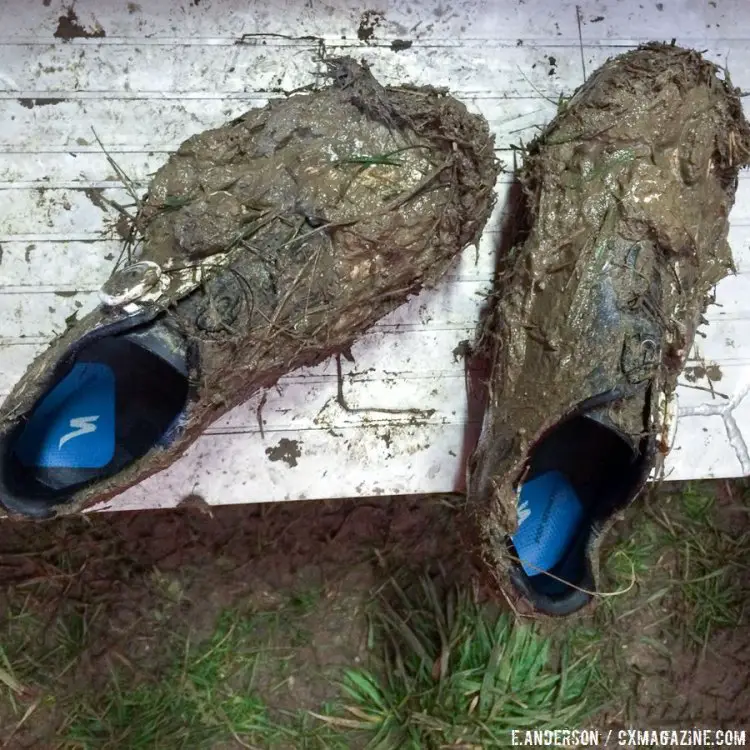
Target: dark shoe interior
(584,471)
(114,403)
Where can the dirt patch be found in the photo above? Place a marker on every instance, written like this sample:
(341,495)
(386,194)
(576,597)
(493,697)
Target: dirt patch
(369,21)
(69,28)
(267,543)
(399,45)
(31,103)
(311,569)
(699,372)
(138,579)
(716,683)
(672,680)
(287,451)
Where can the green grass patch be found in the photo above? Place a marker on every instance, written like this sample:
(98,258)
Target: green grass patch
(191,694)
(454,676)
(36,653)
(677,548)
(446,672)
(636,554)
(207,698)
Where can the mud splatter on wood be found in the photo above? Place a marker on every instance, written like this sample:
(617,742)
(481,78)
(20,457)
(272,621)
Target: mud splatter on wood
(287,451)
(69,28)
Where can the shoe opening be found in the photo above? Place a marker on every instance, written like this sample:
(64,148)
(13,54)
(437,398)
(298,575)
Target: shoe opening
(111,406)
(578,474)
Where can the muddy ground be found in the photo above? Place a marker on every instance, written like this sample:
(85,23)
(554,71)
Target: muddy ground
(131,578)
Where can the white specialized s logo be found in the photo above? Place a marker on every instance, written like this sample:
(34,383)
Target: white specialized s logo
(81,426)
(523,513)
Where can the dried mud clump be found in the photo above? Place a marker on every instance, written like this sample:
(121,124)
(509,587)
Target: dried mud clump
(647,152)
(333,207)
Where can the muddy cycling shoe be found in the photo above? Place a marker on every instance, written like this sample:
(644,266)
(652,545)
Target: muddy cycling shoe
(263,246)
(628,193)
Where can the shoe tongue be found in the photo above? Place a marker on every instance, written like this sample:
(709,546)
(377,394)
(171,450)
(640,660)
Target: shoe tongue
(624,418)
(164,342)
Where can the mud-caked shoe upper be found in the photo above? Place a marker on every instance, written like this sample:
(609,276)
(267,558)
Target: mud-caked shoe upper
(628,193)
(262,246)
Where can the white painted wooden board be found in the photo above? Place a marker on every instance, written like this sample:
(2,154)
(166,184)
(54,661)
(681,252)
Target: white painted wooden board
(166,70)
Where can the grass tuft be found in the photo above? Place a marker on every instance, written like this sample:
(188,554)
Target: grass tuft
(680,551)
(455,677)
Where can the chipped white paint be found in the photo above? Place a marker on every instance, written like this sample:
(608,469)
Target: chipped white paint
(165,71)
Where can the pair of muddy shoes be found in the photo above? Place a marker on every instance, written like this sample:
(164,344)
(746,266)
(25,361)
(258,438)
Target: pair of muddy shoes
(271,243)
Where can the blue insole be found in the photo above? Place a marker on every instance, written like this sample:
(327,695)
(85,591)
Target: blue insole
(74,426)
(549,516)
